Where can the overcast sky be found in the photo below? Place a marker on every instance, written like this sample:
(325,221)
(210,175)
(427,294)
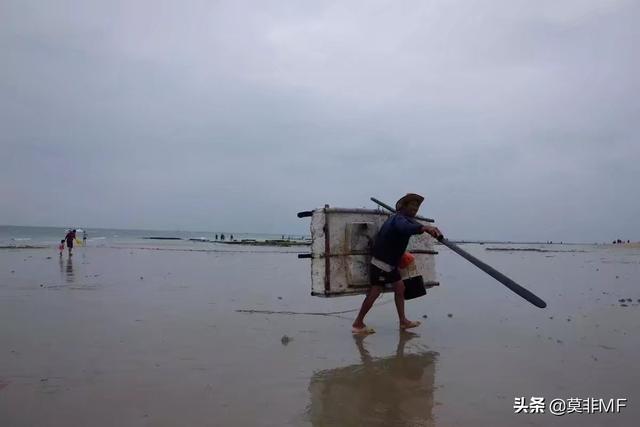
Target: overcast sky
(518,120)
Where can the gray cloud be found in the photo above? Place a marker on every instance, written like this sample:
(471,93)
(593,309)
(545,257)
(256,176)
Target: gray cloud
(517,119)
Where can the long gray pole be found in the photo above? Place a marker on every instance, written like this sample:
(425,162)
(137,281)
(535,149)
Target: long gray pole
(524,293)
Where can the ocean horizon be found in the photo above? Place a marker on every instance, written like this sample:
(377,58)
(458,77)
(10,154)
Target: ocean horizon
(12,235)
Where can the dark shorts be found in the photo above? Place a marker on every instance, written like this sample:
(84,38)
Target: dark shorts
(378,277)
(69,243)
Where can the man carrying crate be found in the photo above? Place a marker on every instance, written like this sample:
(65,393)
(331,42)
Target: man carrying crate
(390,244)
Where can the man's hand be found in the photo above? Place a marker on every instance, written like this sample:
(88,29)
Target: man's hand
(433,231)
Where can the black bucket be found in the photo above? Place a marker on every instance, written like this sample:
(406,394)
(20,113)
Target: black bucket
(414,287)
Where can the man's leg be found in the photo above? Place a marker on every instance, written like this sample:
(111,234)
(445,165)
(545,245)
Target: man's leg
(371,297)
(398,288)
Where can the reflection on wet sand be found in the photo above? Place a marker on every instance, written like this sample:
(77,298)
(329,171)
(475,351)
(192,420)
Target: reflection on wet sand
(69,276)
(395,390)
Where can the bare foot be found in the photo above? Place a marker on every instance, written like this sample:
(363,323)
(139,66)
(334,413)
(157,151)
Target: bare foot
(408,324)
(362,330)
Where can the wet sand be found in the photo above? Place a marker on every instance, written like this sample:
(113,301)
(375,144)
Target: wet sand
(130,337)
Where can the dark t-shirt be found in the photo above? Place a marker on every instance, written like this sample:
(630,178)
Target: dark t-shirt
(393,237)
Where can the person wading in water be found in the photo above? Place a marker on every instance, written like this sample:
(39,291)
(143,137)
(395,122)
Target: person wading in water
(70,237)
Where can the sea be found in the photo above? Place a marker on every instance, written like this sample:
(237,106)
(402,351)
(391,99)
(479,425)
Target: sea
(23,236)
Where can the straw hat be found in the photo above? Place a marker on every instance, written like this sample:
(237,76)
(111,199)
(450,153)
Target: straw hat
(409,197)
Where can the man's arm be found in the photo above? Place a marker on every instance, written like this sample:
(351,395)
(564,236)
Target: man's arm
(407,227)
(410,227)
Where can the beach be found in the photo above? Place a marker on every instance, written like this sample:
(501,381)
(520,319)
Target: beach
(151,335)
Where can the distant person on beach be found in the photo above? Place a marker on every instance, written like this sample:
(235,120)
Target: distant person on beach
(84,237)
(70,237)
(222,237)
(61,246)
(231,238)
(389,246)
